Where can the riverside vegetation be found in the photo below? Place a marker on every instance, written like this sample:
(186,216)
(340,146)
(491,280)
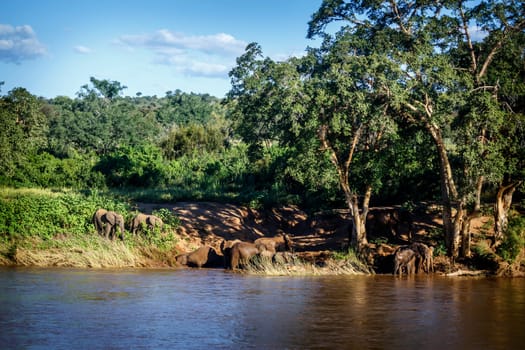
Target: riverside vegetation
(394,110)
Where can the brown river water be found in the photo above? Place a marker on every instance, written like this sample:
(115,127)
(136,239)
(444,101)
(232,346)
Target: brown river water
(215,309)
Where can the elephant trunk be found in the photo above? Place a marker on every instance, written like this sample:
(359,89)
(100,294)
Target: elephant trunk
(121,229)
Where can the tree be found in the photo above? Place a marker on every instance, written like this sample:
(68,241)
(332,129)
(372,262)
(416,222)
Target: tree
(182,109)
(106,88)
(351,119)
(440,83)
(326,97)
(23,130)
(92,123)
(508,75)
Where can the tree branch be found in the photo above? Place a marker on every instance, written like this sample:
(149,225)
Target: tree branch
(395,9)
(474,63)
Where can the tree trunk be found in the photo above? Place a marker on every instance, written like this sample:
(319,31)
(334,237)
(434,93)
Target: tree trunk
(501,210)
(457,224)
(465,225)
(465,238)
(448,193)
(358,238)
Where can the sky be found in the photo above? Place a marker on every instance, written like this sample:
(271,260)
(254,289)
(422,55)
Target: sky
(53,47)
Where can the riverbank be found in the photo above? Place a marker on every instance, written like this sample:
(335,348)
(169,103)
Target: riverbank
(319,238)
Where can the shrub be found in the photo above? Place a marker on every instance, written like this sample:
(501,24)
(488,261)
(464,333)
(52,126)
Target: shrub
(514,241)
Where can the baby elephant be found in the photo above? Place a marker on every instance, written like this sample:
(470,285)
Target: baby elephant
(151,221)
(425,261)
(405,260)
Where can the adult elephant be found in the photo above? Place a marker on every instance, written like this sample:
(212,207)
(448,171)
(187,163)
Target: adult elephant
(278,243)
(107,222)
(405,260)
(204,256)
(226,250)
(150,221)
(243,252)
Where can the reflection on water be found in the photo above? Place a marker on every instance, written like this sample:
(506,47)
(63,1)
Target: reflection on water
(145,309)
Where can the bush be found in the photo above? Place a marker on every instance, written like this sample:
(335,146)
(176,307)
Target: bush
(45,170)
(514,241)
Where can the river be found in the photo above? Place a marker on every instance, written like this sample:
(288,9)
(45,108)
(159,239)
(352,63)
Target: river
(216,309)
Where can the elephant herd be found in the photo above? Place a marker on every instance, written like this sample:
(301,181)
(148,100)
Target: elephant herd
(108,222)
(236,253)
(413,258)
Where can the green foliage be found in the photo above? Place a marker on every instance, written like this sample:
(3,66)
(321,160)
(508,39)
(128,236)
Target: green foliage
(140,166)
(45,170)
(514,241)
(182,109)
(23,128)
(192,139)
(167,217)
(45,214)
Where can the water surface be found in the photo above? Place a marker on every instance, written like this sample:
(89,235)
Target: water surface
(214,309)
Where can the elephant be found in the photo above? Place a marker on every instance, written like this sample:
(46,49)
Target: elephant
(204,256)
(278,243)
(106,223)
(226,249)
(242,252)
(150,220)
(426,257)
(405,259)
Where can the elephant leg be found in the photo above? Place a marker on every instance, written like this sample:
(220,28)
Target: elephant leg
(234,259)
(411,266)
(108,229)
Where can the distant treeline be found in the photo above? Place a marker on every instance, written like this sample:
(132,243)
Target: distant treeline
(184,144)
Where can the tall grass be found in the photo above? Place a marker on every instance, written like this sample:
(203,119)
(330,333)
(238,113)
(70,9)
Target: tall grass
(88,251)
(347,264)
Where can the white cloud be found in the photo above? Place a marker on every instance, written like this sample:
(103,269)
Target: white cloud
(193,67)
(195,55)
(220,43)
(82,50)
(477,33)
(19,43)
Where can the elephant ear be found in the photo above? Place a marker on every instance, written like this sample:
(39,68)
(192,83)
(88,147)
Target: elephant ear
(111,218)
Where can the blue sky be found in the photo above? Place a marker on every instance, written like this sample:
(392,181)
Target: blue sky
(53,47)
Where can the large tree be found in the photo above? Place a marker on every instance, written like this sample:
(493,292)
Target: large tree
(441,84)
(327,101)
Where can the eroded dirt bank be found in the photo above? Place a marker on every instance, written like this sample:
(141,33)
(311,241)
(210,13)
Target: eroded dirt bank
(315,235)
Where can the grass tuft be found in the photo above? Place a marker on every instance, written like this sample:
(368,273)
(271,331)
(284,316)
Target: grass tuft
(350,265)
